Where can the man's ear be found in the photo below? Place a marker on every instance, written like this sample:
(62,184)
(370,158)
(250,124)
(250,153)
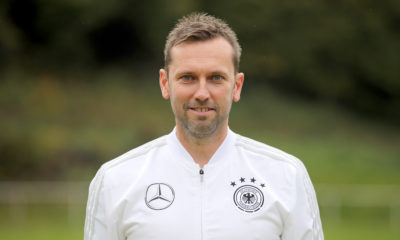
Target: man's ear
(238,86)
(164,84)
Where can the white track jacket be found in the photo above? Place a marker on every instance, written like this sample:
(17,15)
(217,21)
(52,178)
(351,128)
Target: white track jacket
(248,190)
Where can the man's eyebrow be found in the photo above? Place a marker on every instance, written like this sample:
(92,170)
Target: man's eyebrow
(219,73)
(185,73)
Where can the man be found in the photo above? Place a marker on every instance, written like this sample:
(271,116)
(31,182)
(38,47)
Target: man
(202,181)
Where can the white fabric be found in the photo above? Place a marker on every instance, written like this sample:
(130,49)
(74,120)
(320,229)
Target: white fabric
(204,207)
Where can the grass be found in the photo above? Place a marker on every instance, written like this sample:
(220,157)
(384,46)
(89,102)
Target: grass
(360,230)
(44,222)
(48,222)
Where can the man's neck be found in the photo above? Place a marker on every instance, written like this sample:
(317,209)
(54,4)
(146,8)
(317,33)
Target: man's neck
(201,149)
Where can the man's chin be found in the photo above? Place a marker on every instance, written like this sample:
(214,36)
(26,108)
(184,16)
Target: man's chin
(202,131)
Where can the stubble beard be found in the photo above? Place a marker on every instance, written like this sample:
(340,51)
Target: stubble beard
(200,128)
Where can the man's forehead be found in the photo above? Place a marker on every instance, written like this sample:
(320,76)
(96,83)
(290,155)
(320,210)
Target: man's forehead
(213,50)
(216,42)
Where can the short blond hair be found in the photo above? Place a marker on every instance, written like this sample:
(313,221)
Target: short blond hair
(201,27)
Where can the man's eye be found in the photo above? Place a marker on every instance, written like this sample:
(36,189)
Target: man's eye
(186,78)
(217,77)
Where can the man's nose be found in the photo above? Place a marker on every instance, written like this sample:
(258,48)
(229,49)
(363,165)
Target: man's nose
(202,92)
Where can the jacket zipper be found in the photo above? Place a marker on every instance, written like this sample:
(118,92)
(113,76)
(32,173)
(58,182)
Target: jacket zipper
(201,175)
(201,172)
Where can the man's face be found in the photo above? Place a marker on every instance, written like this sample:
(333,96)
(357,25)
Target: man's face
(201,84)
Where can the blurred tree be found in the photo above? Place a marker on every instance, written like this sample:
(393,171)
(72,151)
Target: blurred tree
(24,14)
(337,51)
(116,39)
(340,51)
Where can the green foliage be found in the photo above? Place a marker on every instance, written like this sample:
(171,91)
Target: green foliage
(53,129)
(64,129)
(335,51)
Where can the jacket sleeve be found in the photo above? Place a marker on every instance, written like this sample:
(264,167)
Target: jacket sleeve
(303,221)
(98,225)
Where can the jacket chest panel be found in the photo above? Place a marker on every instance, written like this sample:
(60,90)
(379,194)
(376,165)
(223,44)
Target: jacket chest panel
(200,209)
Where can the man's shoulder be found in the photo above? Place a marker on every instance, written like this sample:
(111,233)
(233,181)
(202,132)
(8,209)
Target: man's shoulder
(117,173)
(134,156)
(267,152)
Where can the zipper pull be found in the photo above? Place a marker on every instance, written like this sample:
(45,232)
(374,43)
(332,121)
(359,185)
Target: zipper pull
(201,174)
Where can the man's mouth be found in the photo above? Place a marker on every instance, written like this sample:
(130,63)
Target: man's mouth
(201,109)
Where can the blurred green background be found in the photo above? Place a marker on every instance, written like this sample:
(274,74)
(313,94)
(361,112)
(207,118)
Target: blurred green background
(79,86)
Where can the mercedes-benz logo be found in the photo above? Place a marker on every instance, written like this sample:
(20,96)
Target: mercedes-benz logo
(159,196)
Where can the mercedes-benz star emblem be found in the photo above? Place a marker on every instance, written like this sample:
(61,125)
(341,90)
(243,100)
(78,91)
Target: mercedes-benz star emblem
(159,196)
